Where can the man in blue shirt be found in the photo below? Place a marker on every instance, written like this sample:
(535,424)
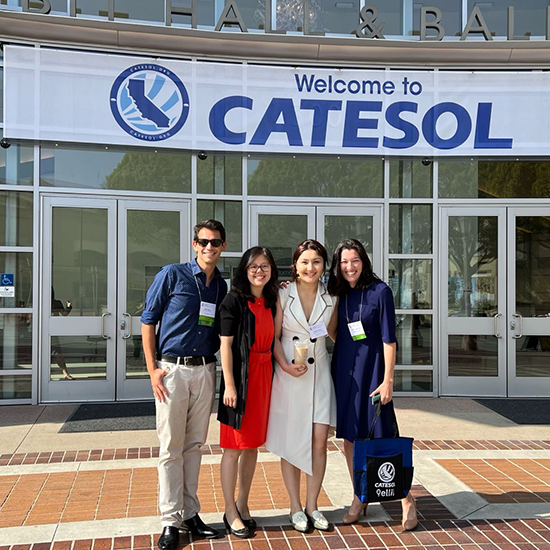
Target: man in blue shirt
(184,299)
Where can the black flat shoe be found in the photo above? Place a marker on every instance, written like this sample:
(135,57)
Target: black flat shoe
(243,533)
(169,538)
(198,528)
(250,523)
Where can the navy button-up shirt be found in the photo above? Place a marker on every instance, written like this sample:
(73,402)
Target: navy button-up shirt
(174,300)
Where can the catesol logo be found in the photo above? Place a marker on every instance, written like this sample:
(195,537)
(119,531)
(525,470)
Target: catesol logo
(149,102)
(386,472)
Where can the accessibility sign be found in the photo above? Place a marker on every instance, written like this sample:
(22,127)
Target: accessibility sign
(7,285)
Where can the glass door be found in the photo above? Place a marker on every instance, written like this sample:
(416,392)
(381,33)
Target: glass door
(151,234)
(78,300)
(529,302)
(100,257)
(364,223)
(473,310)
(281,228)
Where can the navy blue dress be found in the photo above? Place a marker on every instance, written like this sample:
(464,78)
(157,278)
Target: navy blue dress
(358,365)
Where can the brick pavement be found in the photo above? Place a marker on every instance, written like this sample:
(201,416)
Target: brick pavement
(104,492)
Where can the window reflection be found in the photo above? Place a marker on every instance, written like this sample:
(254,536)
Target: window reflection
(413,380)
(473,355)
(473,266)
(315,177)
(414,339)
(410,229)
(451,20)
(16,218)
(410,179)
(140,10)
(16,165)
(113,168)
(219,174)
(15,341)
(328,16)
(78,357)
(489,179)
(411,283)
(529,16)
(15,387)
(533,356)
(230,214)
(205,13)
(79,259)
(533,266)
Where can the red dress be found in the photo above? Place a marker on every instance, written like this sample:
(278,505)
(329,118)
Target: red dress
(260,373)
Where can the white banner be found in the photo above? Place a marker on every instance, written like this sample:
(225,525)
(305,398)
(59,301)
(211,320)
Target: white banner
(57,95)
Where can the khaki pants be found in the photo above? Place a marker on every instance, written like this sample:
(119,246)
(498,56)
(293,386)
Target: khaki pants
(182,426)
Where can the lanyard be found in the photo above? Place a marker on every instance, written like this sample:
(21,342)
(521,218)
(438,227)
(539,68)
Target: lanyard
(360,307)
(217,289)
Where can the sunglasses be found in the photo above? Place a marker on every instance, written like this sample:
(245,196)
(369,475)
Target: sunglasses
(216,243)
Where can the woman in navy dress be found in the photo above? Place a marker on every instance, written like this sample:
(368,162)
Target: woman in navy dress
(364,357)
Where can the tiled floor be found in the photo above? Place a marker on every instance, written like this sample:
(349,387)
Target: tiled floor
(504,480)
(152,452)
(37,499)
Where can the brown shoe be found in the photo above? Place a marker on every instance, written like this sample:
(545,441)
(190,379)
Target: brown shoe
(410,523)
(352,518)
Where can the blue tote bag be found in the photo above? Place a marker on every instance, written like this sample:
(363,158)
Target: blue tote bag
(382,468)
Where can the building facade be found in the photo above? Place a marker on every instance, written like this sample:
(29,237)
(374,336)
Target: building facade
(460,230)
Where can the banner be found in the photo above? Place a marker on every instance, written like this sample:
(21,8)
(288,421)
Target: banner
(66,96)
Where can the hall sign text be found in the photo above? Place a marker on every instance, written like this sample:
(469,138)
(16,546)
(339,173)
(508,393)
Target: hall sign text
(79,97)
(432,19)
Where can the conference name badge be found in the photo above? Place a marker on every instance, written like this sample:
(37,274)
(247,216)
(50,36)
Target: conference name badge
(357,331)
(318,330)
(207,314)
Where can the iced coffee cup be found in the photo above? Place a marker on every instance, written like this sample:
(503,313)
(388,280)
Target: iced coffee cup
(300,353)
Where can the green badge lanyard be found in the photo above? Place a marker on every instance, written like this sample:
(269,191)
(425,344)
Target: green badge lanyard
(356,328)
(207,312)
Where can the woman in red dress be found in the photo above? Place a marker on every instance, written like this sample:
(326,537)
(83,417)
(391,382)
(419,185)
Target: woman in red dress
(247,332)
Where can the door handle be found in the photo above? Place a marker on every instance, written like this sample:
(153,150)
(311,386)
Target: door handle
(513,326)
(496,333)
(103,335)
(128,325)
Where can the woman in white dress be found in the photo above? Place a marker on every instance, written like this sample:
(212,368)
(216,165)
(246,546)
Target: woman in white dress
(303,402)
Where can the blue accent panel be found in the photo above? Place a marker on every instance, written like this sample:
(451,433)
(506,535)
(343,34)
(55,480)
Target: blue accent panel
(171,102)
(157,87)
(125,100)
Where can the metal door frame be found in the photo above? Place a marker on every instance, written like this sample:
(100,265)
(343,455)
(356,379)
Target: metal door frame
(128,389)
(69,390)
(473,386)
(517,325)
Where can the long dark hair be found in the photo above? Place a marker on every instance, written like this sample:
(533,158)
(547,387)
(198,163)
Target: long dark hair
(337,285)
(241,284)
(308,244)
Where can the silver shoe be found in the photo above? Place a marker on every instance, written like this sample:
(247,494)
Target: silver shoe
(318,520)
(299,521)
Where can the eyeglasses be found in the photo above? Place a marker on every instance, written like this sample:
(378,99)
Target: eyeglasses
(264,267)
(216,243)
